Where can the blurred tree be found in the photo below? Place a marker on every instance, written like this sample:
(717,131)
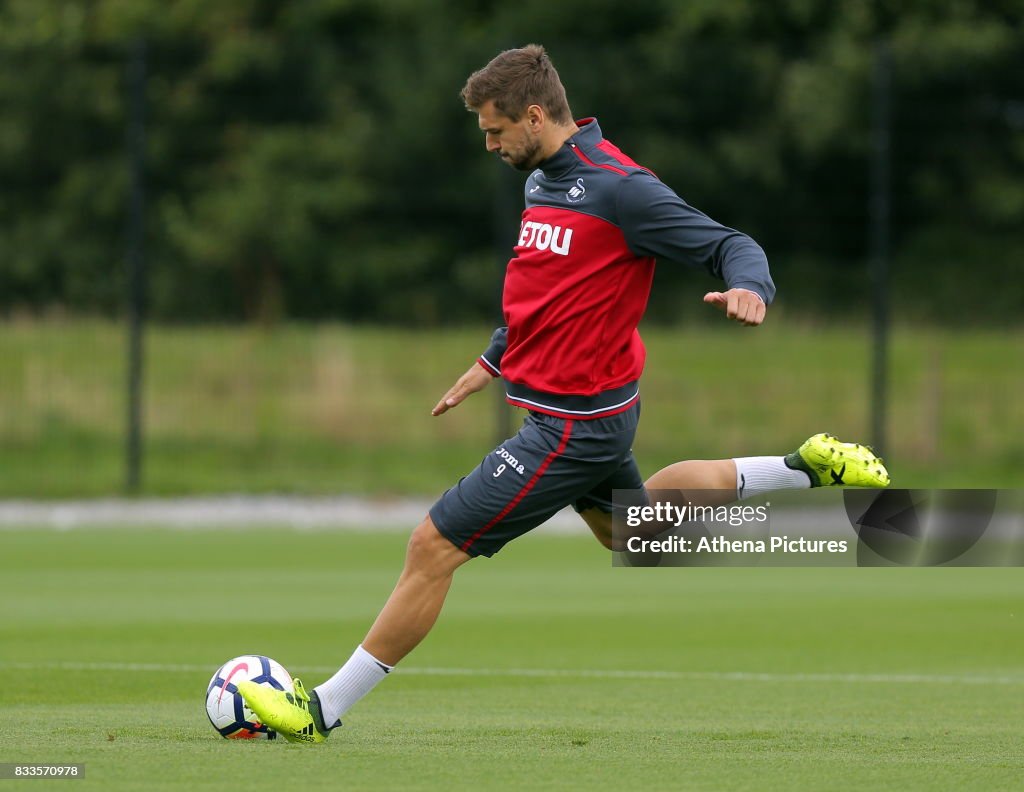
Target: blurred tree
(313,160)
(63,175)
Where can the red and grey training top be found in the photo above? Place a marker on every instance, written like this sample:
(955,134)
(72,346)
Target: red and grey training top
(578,284)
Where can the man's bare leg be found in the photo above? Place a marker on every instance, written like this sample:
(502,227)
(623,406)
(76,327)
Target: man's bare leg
(406,618)
(706,482)
(821,461)
(414,605)
(712,481)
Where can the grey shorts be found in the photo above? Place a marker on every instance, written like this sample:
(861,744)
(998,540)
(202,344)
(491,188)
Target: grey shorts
(551,463)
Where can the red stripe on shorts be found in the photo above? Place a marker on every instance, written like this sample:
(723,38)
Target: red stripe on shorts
(526,487)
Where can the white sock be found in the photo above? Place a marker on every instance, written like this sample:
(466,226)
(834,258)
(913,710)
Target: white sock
(757,475)
(353,680)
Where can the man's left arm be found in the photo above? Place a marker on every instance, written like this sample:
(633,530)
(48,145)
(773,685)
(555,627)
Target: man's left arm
(657,222)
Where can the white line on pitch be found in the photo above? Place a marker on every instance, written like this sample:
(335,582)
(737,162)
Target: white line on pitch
(571,673)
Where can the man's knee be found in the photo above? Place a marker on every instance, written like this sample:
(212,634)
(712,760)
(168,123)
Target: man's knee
(429,551)
(600,522)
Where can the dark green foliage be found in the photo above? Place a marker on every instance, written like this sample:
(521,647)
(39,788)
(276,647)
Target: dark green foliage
(313,160)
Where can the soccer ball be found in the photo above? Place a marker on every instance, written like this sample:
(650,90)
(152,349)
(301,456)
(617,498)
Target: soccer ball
(227,709)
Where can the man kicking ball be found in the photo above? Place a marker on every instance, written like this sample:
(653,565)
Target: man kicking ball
(575,291)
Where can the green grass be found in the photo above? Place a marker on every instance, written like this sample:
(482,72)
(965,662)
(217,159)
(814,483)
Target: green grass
(942,714)
(331,408)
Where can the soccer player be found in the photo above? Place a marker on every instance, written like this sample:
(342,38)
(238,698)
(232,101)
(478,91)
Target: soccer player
(575,290)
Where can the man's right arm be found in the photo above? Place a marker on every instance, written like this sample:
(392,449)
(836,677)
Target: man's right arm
(657,222)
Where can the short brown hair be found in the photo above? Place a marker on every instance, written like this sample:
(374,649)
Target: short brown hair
(516,79)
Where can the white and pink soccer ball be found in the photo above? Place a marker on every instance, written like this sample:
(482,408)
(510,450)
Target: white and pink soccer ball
(225,706)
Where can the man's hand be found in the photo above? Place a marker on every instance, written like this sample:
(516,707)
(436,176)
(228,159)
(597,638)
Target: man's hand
(741,305)
(473,380)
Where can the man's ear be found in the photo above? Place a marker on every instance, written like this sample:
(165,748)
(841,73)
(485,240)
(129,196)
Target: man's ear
(535,116)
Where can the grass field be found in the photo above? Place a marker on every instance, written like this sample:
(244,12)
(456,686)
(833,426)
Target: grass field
(548,670)
(330,408)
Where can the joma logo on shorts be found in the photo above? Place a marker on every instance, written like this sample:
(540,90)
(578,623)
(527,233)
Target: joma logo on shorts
(545,237)
(512,461)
